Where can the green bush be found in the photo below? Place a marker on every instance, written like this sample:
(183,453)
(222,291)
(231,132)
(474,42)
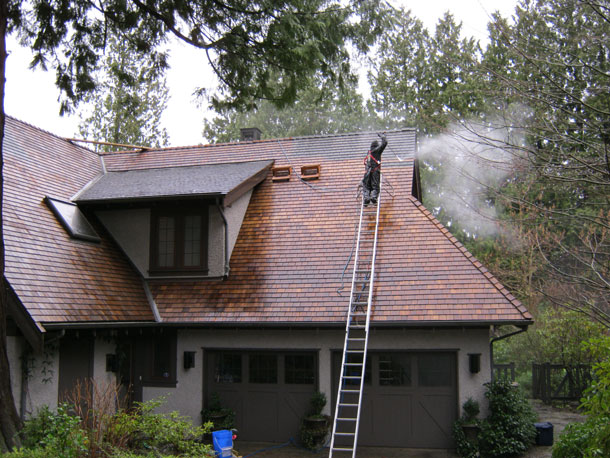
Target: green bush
(507,431)
(53,434)
(143,430)
(139,432)
(591,439)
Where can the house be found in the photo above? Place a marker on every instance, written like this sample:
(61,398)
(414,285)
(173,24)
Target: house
(226,269)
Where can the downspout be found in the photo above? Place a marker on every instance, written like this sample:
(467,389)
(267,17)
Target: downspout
(496,339)
(226,225)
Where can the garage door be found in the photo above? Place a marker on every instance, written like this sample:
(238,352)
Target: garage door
(269,391)
(409,399)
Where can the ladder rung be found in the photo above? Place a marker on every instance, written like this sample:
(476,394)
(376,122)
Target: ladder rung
(357,326)
(353,364)
(356,339)
(343,449)
(359,303)
(337,433)
(346,419)
(348,405)
(350,391)
(354,351)
(352,376)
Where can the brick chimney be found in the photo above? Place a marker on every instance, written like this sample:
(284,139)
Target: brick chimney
(249,134)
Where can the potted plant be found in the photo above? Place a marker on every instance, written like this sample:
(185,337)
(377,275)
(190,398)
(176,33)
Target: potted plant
(315,425)
(470,424)
(221,417)
(466,430)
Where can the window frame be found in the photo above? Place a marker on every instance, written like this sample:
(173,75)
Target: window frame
(179,213)
(168,339)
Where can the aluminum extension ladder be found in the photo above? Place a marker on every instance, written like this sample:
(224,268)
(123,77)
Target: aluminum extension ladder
(353,366)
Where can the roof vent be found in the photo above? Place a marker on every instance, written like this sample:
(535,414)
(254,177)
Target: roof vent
(281,173)
(310,172)
(249,134)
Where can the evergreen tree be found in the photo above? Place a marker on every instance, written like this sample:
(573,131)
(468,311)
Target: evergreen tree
(127,105)
(549,74)
(319,110)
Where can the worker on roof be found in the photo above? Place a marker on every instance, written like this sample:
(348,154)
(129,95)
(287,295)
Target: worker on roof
(372,163)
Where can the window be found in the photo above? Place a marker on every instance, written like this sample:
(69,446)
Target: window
(263,368)
(435,369)
(299,369)
(356,371)
(179,240)
(394,369)
(72,219)
(227,368)
(159,355)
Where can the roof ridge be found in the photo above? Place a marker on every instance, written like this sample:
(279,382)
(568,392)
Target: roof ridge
(473,260)
(265,140)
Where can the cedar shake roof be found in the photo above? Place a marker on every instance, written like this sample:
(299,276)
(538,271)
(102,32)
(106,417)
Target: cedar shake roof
(296,239)
(291,251)
(227,180)
(57,278)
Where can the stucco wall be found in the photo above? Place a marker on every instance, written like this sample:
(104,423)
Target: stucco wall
(131,229)
(42,385)
(234,215)
(188,396)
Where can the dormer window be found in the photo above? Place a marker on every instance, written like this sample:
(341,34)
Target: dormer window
(179,240)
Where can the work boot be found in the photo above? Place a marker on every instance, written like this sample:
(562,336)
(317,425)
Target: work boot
(366,196)
(373,198)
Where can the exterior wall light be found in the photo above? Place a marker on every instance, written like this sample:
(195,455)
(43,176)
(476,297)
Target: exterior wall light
(474,362)
(189,359)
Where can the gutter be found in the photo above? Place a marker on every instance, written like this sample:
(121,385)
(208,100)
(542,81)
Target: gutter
(521,329)
(227,268)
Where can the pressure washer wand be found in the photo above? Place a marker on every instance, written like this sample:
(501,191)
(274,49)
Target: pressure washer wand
(388,147)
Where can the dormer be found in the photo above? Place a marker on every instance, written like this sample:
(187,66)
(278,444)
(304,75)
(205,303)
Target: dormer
(175,222)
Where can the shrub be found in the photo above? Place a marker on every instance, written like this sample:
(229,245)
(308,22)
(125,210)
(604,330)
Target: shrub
(54,434)
(591,439)
(135,433)
(143,430)
(507,431)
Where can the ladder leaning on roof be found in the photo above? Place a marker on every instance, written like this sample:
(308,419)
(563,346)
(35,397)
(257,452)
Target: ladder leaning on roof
(353,366)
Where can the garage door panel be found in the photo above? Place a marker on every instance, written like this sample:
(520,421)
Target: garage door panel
(433,423)
(261,407)
(269,391)
(390,420)
(410,401)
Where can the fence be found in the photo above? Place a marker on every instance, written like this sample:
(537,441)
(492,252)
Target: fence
(556,382)
(506,371)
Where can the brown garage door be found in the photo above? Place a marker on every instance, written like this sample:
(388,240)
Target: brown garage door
(409,399)
(269,391)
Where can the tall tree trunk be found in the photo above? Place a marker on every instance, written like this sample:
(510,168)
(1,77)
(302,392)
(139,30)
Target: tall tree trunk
(10,422)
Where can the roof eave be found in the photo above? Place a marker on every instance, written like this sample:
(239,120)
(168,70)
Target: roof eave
(286,324)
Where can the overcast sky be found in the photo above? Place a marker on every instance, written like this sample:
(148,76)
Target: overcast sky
(32,96)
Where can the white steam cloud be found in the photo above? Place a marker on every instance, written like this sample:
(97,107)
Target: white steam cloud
(473,160)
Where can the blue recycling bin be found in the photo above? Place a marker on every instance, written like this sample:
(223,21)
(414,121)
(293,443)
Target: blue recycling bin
(223,443)
(544,433)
